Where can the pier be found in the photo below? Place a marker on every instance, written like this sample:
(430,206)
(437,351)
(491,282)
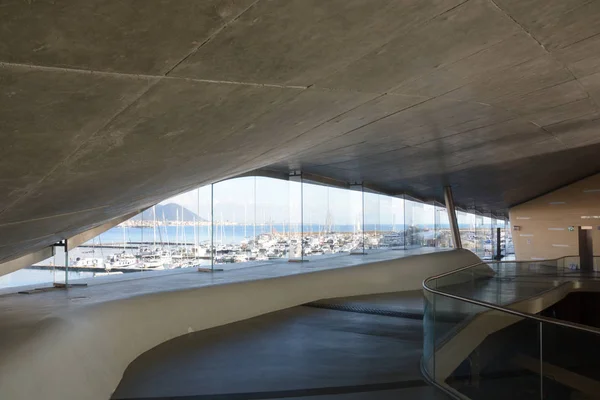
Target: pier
(90,269)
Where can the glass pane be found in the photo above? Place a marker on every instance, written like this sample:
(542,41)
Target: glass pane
(479,235)
(427,225)
(273,210)
(510,248)
(493,238)
(483,283)
(443,234)
(295,218)
(43,274)
(429,334)
(318,220)
(203,234)
(485,238)
(391,211)
(355,198)
(234,210)
(571,362)
(372,230)
(345,211)
(414,222)
(479,352)
(466,223)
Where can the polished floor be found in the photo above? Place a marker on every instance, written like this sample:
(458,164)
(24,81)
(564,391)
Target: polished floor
(307,352)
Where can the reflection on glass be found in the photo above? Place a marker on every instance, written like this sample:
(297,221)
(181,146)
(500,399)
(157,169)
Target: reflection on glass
(318,221)
(372,229)
(391,211)
(418,224)
(273,210)
(345,214)
(332,220)
(257,219)
(427,225)
(571,359)
(295,229)
(235,228)
(443,233)
(479,234)
(510,249)
(476,360)
(466,223)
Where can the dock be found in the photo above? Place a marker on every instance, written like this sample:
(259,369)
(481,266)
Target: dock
(92,269)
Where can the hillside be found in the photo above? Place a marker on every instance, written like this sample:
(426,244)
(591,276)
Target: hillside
(170,212)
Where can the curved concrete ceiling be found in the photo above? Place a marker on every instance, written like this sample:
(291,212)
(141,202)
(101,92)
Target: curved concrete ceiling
(108,106)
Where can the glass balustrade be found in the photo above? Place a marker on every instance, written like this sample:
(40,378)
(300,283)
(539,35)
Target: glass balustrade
(514,330)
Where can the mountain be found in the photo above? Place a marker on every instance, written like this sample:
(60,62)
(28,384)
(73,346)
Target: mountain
(170,211)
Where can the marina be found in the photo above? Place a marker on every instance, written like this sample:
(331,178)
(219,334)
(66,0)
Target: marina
(134,256)
(145,244)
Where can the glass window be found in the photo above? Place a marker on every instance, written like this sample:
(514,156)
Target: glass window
(236,226)
(295,229)
(318,220)
(273,211)
(484,236)
(345,213)
(372,228)
(466,223)
(392,222)
(426,224)
(443,233)
(415,220)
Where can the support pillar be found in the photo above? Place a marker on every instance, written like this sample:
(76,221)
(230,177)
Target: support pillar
(452,217)
(66,265)
(586,250)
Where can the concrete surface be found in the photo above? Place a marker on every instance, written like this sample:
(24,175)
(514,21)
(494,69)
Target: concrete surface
(299,352)
(112,106)
(409,303)
(95,332)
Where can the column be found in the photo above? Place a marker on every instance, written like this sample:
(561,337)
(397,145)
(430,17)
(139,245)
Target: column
(452,217)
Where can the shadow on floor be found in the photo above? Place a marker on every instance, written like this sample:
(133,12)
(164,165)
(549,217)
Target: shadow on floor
(302,353)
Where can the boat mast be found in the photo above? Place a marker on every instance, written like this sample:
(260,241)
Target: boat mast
(166,233)
(176,227)
(222,228)
(184,238)
(154,227)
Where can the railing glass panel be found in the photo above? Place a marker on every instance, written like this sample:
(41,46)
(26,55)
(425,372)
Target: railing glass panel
(490,332)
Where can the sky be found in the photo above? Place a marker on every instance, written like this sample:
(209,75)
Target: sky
(260,199)
(268,200)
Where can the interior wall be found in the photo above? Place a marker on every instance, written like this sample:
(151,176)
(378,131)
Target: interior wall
(541,227)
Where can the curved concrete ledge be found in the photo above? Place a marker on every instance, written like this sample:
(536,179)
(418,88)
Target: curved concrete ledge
(80,352)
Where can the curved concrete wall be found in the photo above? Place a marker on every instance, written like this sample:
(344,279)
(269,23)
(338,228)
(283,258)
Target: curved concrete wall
(82,354)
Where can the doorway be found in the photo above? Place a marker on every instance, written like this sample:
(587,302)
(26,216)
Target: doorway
(586,248)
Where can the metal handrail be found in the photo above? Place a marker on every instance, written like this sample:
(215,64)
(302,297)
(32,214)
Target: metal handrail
(571,325)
